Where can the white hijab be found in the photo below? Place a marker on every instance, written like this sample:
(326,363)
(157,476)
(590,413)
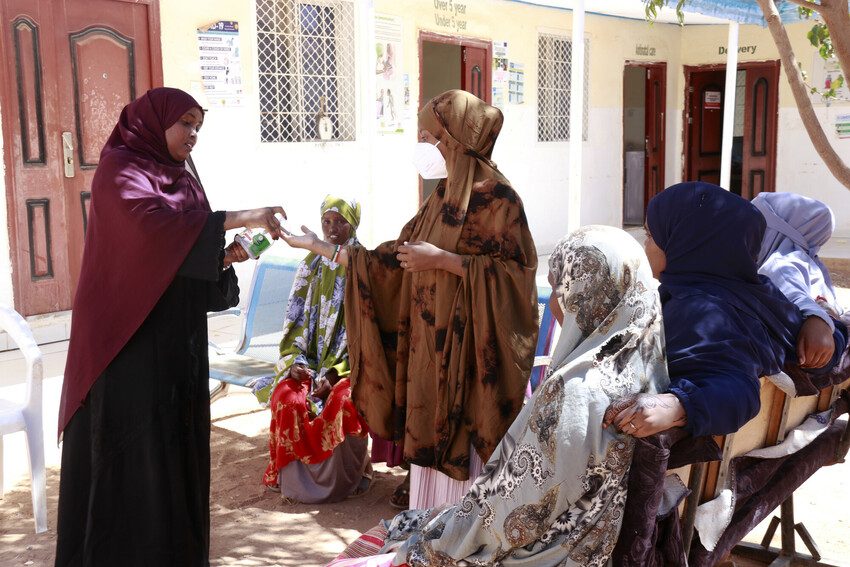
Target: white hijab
(797,227)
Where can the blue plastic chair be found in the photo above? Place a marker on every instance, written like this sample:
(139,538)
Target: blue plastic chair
(262,328)
(549,331)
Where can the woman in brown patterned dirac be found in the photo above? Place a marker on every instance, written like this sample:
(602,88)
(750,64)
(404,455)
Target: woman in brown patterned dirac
(442,322)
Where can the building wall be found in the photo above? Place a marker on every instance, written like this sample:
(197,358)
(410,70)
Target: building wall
(239,171)
(799,169)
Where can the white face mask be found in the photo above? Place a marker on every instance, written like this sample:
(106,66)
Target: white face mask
(429,162)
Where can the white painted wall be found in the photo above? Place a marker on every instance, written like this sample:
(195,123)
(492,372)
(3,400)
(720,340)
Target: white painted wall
(239,171)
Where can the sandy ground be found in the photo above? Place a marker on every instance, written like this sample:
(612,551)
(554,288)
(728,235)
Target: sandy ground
(252,526)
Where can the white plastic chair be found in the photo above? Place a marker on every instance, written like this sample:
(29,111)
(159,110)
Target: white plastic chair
(27,416)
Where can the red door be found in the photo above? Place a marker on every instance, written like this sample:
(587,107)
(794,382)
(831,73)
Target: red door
(70,66)
(656,104)
(476,72)
(758,170)
(705,125)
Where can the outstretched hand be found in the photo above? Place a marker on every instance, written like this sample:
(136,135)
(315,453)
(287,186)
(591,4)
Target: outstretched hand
(642,415)
(815,345)
(307,240)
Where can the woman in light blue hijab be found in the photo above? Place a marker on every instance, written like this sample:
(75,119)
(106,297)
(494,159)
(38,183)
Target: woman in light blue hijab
(797,227)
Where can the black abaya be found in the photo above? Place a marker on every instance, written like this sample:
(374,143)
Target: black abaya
(135,476)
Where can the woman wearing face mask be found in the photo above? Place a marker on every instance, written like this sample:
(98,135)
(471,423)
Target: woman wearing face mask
(442,322)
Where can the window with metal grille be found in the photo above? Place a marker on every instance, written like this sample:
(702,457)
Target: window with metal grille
(554,65)
(305,56)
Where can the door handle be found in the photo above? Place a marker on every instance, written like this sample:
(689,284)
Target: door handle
(68,153)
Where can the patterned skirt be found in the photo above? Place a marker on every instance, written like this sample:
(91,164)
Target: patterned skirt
(294,435)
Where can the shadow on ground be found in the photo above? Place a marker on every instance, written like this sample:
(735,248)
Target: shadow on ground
(250,525)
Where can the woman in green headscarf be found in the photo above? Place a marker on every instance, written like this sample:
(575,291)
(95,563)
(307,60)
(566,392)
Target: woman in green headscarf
(317,440)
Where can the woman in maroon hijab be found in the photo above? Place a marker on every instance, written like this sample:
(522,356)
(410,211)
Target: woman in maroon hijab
(134,413)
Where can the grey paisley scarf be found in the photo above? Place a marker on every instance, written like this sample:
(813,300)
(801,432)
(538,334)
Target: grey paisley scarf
(554,490)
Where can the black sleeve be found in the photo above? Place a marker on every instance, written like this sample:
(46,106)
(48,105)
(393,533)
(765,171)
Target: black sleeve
(206,258)
(224,293)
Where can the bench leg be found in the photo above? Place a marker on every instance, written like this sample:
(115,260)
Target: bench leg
(788,554)
(695,481)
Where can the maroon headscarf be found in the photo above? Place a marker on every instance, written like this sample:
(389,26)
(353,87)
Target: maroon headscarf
(146,213)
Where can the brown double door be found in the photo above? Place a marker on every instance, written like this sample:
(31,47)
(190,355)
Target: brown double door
(754,138)
(69,67)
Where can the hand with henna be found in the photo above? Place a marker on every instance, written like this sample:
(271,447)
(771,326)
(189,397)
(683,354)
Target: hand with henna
(642,415)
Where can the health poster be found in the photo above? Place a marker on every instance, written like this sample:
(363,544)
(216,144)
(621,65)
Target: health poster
(392,88)
(221,71)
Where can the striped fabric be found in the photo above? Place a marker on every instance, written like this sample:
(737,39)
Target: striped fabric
(430,488)
(368,544)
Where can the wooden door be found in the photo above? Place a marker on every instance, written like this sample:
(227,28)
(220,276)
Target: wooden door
(705,125)
(104,62)
(476,72)
(654,120)
(69,67)
(32,154)
(758,171)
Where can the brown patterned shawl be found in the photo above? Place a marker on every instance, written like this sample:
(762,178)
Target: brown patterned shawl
(438,360)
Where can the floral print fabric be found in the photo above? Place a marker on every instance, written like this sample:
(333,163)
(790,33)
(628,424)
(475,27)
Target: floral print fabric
(554,491)
(441,362)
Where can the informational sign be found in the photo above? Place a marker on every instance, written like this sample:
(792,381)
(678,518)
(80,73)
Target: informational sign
(824,73)
(711,100)
(842,125)
(451,14)
(500,73)
(516,83)
(221,70)
(392,87)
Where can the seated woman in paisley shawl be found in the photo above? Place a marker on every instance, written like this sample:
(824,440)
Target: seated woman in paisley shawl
(554,490)
(442,322)
(317,440)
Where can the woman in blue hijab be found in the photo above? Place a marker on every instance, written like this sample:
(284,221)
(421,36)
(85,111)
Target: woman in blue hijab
(725,325)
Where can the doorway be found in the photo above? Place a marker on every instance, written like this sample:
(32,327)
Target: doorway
(449,62)
(754,132)
(644,106)
(67,70)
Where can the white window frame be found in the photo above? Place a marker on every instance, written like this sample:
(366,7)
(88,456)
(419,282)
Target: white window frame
(295,122)
(562,133)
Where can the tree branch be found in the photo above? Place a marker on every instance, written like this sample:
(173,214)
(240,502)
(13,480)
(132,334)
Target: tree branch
(810,120)
(837,20)
(810,5)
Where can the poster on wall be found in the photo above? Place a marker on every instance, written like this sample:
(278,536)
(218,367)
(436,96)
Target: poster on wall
(824,72)
(221,71)
(392,87)
(516,83)
(842,126)
(500,73)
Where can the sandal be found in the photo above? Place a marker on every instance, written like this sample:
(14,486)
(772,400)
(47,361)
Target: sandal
(400,497)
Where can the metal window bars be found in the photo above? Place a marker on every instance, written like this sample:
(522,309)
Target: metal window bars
(305,56)
(554,60)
